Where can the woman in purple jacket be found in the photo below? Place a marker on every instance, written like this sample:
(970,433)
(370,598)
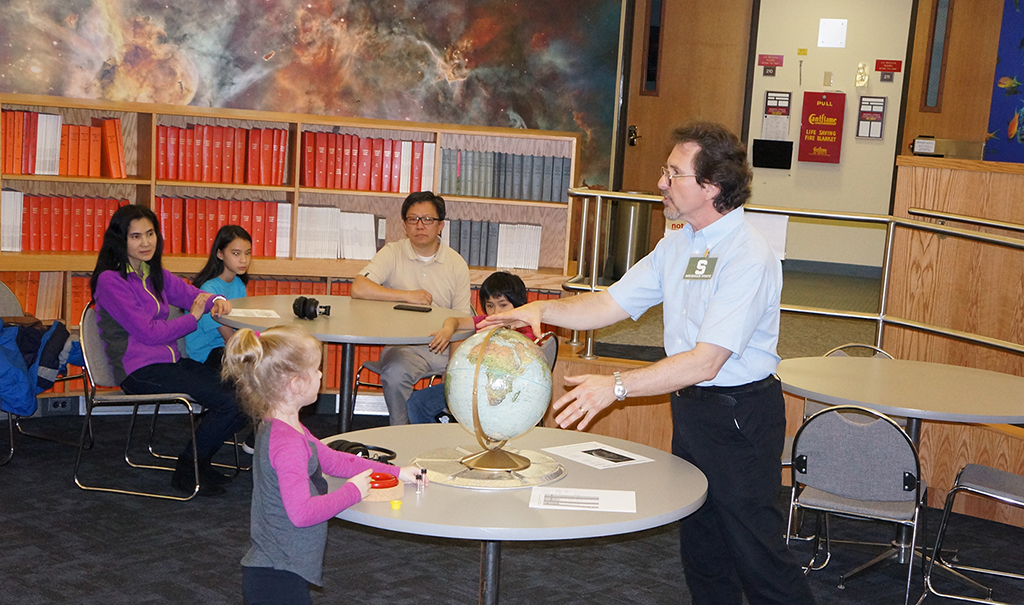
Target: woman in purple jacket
(133,294)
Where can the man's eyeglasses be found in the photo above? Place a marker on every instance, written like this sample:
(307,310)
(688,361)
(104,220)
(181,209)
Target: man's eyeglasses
(426,220)
(665,172)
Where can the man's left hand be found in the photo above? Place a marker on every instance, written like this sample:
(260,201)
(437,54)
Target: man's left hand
(592,394)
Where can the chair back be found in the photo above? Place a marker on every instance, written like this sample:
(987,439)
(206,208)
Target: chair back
(856,453)
(548,343)
(98,371)
(10,306)
(174,313)
(844,350)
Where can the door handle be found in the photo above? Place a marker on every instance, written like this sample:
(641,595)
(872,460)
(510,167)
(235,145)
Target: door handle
(632,136)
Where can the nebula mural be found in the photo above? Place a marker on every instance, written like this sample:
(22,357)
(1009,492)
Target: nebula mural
(524,64)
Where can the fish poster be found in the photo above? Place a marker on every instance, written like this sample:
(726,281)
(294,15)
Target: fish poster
(1004,141)
(502,63)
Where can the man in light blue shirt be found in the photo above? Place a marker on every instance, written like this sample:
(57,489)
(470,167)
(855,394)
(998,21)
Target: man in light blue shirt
(721,285)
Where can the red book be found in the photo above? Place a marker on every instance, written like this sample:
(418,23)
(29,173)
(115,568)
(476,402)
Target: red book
(18,148)
(177,228)
(31,137)
(294,287)
(56,230)
(282,155)
(385,171)
(183,148)
(234,213)
(165,222)
(354,159)
(346,161)
(258,233)
(65,225)
(278,174)
(73,147)
(26,225)
(161,153)
(266,156)
(89,227)
(252,160)
(83,150)
(62,166)
(212,214)
(376,164)
(110,164)
(365,160)
(79,288)
(320,174)
(339,158)
(217,157)
(191,234)
(223,214)
(308,162)
(305,287)
(44,224)
(207,161)
(202,247)
(396,165)
(226,171)
(32,293)
(77,224)
(8,141)
(245,217)
(332,159)
(197,153)
(270,230)
(99,224)
(188,159)
(172,153)
(33,202)
(416,171)
(95,144)
(238,171)
(122,164)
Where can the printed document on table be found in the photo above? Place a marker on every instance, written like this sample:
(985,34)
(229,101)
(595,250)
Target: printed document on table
(603,500)
(597,455)
(260,313)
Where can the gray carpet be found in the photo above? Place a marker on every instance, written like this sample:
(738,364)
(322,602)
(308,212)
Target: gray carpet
(63,545)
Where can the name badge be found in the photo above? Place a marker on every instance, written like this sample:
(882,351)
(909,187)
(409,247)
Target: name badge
(700,267)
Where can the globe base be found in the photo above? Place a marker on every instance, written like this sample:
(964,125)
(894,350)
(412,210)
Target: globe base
(497,460)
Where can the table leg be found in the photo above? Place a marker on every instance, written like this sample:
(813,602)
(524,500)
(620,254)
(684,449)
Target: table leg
(490,570)
(346,405)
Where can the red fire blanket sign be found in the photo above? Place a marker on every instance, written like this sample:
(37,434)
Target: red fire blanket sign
(821,127)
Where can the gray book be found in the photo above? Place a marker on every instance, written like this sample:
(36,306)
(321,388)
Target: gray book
(464,236)
(487,175)
(485,231)
(527,177)
(517,177)
(538,178)
(507,183)
(499,174)
(445,161)
(547,179)
(474,244)
(492,243)
(454,234)
(457,155)
(566,178)
(556,179)
(467,172)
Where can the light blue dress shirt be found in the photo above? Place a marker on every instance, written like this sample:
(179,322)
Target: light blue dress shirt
(737,308)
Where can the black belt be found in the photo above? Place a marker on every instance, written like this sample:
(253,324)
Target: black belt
(695,392)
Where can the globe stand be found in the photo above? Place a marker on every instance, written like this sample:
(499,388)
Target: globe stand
(493,458)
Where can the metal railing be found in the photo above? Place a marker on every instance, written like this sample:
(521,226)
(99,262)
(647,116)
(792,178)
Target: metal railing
(590,246)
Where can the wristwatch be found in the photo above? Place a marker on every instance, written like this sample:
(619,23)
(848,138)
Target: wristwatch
(620,389)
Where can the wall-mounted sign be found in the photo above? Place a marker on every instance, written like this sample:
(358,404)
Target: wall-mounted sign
(769,70)
(770,60)
(776,116)
(890,65)
(821,127)
(871,117)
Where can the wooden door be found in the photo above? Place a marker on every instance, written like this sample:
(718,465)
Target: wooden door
(702,76)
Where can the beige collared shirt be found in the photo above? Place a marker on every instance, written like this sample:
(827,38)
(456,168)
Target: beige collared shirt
(445,276)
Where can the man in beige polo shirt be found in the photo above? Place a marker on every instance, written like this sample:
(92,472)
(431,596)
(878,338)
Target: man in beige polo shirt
(421,270)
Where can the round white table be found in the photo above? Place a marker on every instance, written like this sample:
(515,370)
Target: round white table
(351,322)
(667,490)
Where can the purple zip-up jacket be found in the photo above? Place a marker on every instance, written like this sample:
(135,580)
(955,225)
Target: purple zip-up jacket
(133,322)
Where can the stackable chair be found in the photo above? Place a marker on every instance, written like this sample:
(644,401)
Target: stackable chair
(811,406)
(375,368)
(100,374)
(855,462)
(987,482)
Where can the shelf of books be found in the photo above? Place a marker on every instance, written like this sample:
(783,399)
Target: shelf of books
(320,195)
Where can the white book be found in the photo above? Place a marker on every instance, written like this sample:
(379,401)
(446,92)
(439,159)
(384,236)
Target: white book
(405,178)
(367,236)
(445,230)
(345,236)
(11,203)
(284,229)
(534,248)
(429,151)
(302,234)
(504,246)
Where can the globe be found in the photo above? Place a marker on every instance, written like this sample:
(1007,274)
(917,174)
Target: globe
(513,388)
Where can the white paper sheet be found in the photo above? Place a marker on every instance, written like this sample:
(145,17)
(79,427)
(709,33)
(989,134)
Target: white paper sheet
(603,500)
(597,455)
(261,313)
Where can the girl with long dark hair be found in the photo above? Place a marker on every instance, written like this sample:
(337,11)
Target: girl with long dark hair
(133,295)
(225,274)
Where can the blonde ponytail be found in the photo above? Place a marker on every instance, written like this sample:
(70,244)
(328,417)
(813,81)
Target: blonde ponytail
(261,365)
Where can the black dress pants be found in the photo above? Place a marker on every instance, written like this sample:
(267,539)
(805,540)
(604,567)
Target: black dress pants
(735,542)
(200,381)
